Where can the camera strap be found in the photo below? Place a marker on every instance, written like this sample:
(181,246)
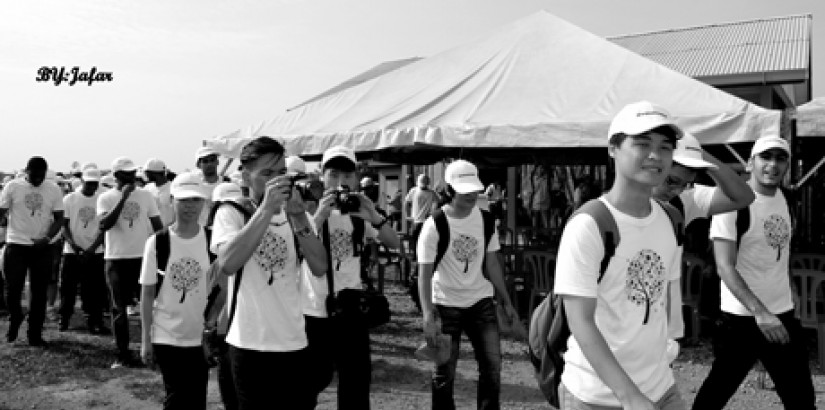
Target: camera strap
(330,273)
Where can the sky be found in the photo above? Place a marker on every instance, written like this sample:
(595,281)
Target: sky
(188,70)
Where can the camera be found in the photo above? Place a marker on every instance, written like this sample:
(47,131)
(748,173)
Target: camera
(308,189)
(345,201)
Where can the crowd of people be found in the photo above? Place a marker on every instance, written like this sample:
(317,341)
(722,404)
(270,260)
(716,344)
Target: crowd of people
(267,273)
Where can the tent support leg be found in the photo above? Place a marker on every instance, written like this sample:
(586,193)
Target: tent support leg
(736,154)
(810,173)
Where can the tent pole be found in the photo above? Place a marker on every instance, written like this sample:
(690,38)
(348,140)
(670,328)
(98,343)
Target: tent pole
(226,166)
(809,173)
(736,154)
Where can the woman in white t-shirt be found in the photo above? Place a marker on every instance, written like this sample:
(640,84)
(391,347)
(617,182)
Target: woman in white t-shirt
(172,316)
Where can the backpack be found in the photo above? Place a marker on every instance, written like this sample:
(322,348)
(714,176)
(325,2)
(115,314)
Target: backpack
(443,228)
(549,330)
(162,250)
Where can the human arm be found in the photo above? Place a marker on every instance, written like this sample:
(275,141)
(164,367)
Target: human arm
(425,286)
(496,277)
(310,243)
(54,229)
(109,218)
(581,317)
(67,234)
(725,253)
(148,281)
(369,214)
(733,193)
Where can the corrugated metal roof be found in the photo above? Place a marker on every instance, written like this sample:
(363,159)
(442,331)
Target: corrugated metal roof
(754,46)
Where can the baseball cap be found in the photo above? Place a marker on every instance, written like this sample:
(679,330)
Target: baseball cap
(154,165)
(295,164)
(108,181)
(689,153)
(765,143)
(463,177)
(123,164)
(91,174)
(205,152)
(338,151)
(366,182)
(640,117)
(188,185)
(226,191)
(88,165)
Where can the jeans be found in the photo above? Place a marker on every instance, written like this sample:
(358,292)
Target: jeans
(122,276)
(37,261)
(479,323)
(89,273)
(737,345)
(671,400)
(271,380)
(185,376)
(320,337)
(226,384)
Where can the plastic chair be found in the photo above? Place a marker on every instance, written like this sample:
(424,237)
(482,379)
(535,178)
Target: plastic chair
(384,258)
(810,261)
(693,269)
(542,266)
(810,307)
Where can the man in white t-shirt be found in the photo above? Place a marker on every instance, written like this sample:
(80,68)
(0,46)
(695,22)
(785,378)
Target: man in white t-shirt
(267,339)
(83,256)
(128,216)
(757,319)
(459,292)
(700,201)
(172,317)
(342,341)
(159,187)
(207,161)
(420,202)
(616,355)
(34,208)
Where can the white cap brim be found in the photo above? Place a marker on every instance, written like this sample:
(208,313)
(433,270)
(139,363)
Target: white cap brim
(467,187)
(694,163)
(188,193)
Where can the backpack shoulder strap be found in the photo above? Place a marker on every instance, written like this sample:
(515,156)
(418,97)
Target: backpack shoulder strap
(790,199)
(443,229)
(330,273)
(162,250)
(607,228)
(677,220)
(489,227)
(743,222)
(677,203)
(358,230)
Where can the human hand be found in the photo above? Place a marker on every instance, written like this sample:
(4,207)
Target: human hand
(431,331)
(367,210)
(147,355)
(772,328)
(326,204)
(295,205)
(276,192)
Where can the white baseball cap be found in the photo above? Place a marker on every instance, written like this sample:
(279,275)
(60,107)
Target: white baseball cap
(295,164)
(188,185)
(154,165)
(88,165)
(226,191)
(640,117)
(689,153)
(123,164)
(765,143)
(463,177)
(338,151)
(205,152)
(91,174)
(108,181)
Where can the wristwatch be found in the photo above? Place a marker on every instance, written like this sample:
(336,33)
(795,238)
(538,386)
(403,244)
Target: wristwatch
(380,224)
(304,232)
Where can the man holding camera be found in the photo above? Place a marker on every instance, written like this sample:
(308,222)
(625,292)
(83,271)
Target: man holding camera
(344,219)
(267,339)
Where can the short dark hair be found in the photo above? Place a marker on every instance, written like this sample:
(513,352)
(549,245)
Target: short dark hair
(341,164)
(37,164)
(259,147)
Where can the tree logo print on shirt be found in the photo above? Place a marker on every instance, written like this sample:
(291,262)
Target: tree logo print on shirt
(86,215)
(340,243)
(184,274)
(130,212)
(777,232)
(34,202)
(271,255)
(465,249)
(645,280)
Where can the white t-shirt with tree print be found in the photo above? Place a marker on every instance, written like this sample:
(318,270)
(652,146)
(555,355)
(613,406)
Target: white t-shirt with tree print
(30,208)
(177,315)
(762,260)
(346,266)
(631,299)
(127,237)
(269,315)
(458,280)
(84,223)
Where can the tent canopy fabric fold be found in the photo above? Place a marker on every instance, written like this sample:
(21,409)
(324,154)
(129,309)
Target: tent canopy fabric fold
(537,83)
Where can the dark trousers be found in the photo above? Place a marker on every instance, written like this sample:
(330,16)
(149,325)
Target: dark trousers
(271,380)
(185,376)
(88,272)
(226,384)
(19,260)
(342,343)
(479,323)
(737,345)
(122,277)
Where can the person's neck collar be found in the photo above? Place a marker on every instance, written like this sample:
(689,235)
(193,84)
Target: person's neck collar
(211,178)
(630,199)
(761,189)
(185,229)
(458,212)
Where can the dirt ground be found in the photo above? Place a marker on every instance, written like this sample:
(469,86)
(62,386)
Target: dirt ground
(73,372)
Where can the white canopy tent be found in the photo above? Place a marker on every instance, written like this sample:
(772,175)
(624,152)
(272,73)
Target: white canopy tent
(539,82)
